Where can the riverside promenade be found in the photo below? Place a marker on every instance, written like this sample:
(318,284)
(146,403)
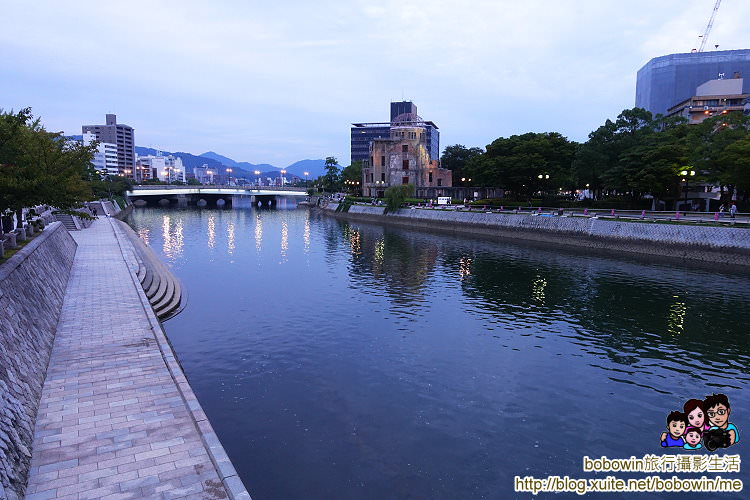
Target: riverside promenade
(117,418)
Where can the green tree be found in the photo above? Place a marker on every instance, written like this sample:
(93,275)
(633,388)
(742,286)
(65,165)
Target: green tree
(40,167)
(352,175)
(736,157)
(515,163)
(332,178)
(708,142)
(111,185)
(396,195)
(597,161)
(456,158)
(652,166)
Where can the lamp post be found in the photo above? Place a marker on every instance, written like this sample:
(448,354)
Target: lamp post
(257,172)
(542,177)
(229,176)
(281,180)
(686,175)
(210,175)
(306,174)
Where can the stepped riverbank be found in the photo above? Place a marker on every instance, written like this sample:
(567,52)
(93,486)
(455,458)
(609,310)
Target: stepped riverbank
(725,245)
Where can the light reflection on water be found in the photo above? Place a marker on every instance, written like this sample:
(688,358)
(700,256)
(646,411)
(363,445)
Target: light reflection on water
(211,240)
(375,362)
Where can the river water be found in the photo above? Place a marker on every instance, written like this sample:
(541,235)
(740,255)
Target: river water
(340,360)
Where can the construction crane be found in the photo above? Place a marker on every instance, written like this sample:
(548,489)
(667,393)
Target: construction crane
(709,26)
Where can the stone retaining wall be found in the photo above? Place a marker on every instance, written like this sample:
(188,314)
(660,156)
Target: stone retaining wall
(32,288)
(729,245)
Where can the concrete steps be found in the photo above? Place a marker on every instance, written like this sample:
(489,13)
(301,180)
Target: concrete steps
(67,221)
(162,288)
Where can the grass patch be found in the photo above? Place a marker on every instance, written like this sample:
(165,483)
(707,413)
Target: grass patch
(10,252)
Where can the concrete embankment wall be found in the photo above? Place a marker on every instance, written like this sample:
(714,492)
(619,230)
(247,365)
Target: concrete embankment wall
(729,245)
(32,288)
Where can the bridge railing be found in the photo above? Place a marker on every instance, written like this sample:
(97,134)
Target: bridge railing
(148,187)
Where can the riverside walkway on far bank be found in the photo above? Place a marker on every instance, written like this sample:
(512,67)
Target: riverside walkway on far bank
(117,418)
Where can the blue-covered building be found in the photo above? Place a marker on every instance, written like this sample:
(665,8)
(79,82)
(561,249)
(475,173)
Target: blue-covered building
(665,81)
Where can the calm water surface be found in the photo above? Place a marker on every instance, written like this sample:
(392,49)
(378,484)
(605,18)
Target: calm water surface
(345,360)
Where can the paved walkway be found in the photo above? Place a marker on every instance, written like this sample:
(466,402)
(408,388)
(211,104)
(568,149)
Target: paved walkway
(117,418)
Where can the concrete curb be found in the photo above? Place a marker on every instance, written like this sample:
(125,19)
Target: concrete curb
(232,483)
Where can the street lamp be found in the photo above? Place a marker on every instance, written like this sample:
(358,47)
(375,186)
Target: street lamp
(281,181)
(257,172)
(686,175)
(306,174)
(229,176)
(210,175)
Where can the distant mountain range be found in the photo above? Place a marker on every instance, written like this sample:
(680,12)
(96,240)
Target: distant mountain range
(240,169)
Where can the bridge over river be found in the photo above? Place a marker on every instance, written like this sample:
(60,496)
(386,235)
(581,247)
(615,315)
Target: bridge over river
(213,195)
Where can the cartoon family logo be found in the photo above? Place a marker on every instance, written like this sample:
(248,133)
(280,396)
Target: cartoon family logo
(685,429)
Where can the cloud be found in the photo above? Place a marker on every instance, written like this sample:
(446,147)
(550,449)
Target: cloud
(275,82)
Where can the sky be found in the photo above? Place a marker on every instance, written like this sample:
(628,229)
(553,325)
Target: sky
(277,82)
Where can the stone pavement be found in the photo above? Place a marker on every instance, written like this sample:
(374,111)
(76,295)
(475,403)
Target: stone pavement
(117,418)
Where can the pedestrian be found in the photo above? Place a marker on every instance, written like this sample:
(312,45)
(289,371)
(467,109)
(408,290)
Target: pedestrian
(732,210)
(721,210)
(93,211)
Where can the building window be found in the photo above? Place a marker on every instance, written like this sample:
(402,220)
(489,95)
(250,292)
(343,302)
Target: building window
(382,161)
(405,180)
(430,174)
(405,165)
(440,182)
(372,162)
(382,176)
(405,148)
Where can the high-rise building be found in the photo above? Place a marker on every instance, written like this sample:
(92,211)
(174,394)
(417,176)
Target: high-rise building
(403,113)
(122,136)
(666,81)
(105,158)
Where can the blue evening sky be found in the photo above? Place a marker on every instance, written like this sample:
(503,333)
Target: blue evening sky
(281,81)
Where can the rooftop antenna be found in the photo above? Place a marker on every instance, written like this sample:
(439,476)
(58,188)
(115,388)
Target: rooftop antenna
(710,24)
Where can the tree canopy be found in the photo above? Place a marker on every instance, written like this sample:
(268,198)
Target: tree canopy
(516,163)
(331,179)
(456,158)
(40,167)
(635,154)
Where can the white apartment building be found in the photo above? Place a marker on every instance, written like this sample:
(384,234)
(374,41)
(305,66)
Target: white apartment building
(105,157)
(165,168)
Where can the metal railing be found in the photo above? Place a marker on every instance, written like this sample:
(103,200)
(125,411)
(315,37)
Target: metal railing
(634,215)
